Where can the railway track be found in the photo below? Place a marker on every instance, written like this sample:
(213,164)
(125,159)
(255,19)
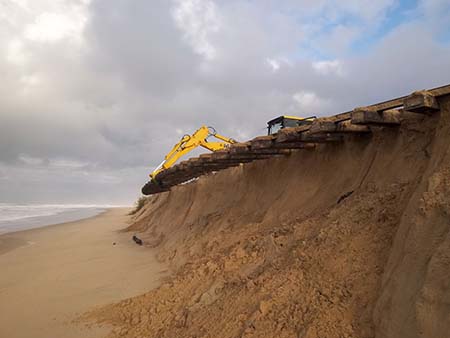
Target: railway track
(332,129)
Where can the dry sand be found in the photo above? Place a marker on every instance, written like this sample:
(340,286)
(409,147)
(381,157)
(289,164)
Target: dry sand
(282,248)
(48,276)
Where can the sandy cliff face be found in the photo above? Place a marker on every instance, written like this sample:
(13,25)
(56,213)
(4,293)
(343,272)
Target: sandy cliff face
(415,294)
(348,240)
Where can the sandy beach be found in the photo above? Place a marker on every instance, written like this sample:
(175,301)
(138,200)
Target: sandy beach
(50,275)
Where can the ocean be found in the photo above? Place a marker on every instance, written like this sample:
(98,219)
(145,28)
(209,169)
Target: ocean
(16,217)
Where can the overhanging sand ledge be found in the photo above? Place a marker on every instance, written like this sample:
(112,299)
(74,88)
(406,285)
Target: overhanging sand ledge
(51,275)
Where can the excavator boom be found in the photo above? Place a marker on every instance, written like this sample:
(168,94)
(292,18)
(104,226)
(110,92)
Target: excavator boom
(187,143)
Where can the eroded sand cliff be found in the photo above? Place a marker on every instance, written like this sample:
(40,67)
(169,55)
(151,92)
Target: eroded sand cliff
(347,240)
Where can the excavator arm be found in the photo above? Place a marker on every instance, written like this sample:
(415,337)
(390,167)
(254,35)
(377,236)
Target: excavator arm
(189,143)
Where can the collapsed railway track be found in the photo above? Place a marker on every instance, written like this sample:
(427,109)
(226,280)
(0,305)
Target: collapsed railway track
(332,129)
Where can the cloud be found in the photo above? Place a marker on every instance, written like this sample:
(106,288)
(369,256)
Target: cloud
(67,163)
(310,103)
(50,27)
(29,160)
(328,67)
(198,20)
(94,93)
(338,40)
(274,64)
(15,52)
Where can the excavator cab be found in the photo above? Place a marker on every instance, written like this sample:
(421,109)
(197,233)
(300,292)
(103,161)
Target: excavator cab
(285,121)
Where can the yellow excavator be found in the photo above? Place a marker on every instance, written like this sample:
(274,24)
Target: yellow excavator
(188,143)
(200,139)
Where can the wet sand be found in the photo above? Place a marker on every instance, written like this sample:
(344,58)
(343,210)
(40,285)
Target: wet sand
(50,275)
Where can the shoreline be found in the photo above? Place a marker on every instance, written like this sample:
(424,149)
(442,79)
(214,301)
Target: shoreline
(62,223)
(66,216)
(53,274)
(8,240)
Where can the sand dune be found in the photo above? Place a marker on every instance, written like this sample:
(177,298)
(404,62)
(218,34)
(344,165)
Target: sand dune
(51,275)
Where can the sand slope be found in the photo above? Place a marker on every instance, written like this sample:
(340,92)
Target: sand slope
(266,250)
(50,275)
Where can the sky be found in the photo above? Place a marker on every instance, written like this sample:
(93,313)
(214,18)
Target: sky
(93,93)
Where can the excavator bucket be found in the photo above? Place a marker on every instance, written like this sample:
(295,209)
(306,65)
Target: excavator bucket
(153,187)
